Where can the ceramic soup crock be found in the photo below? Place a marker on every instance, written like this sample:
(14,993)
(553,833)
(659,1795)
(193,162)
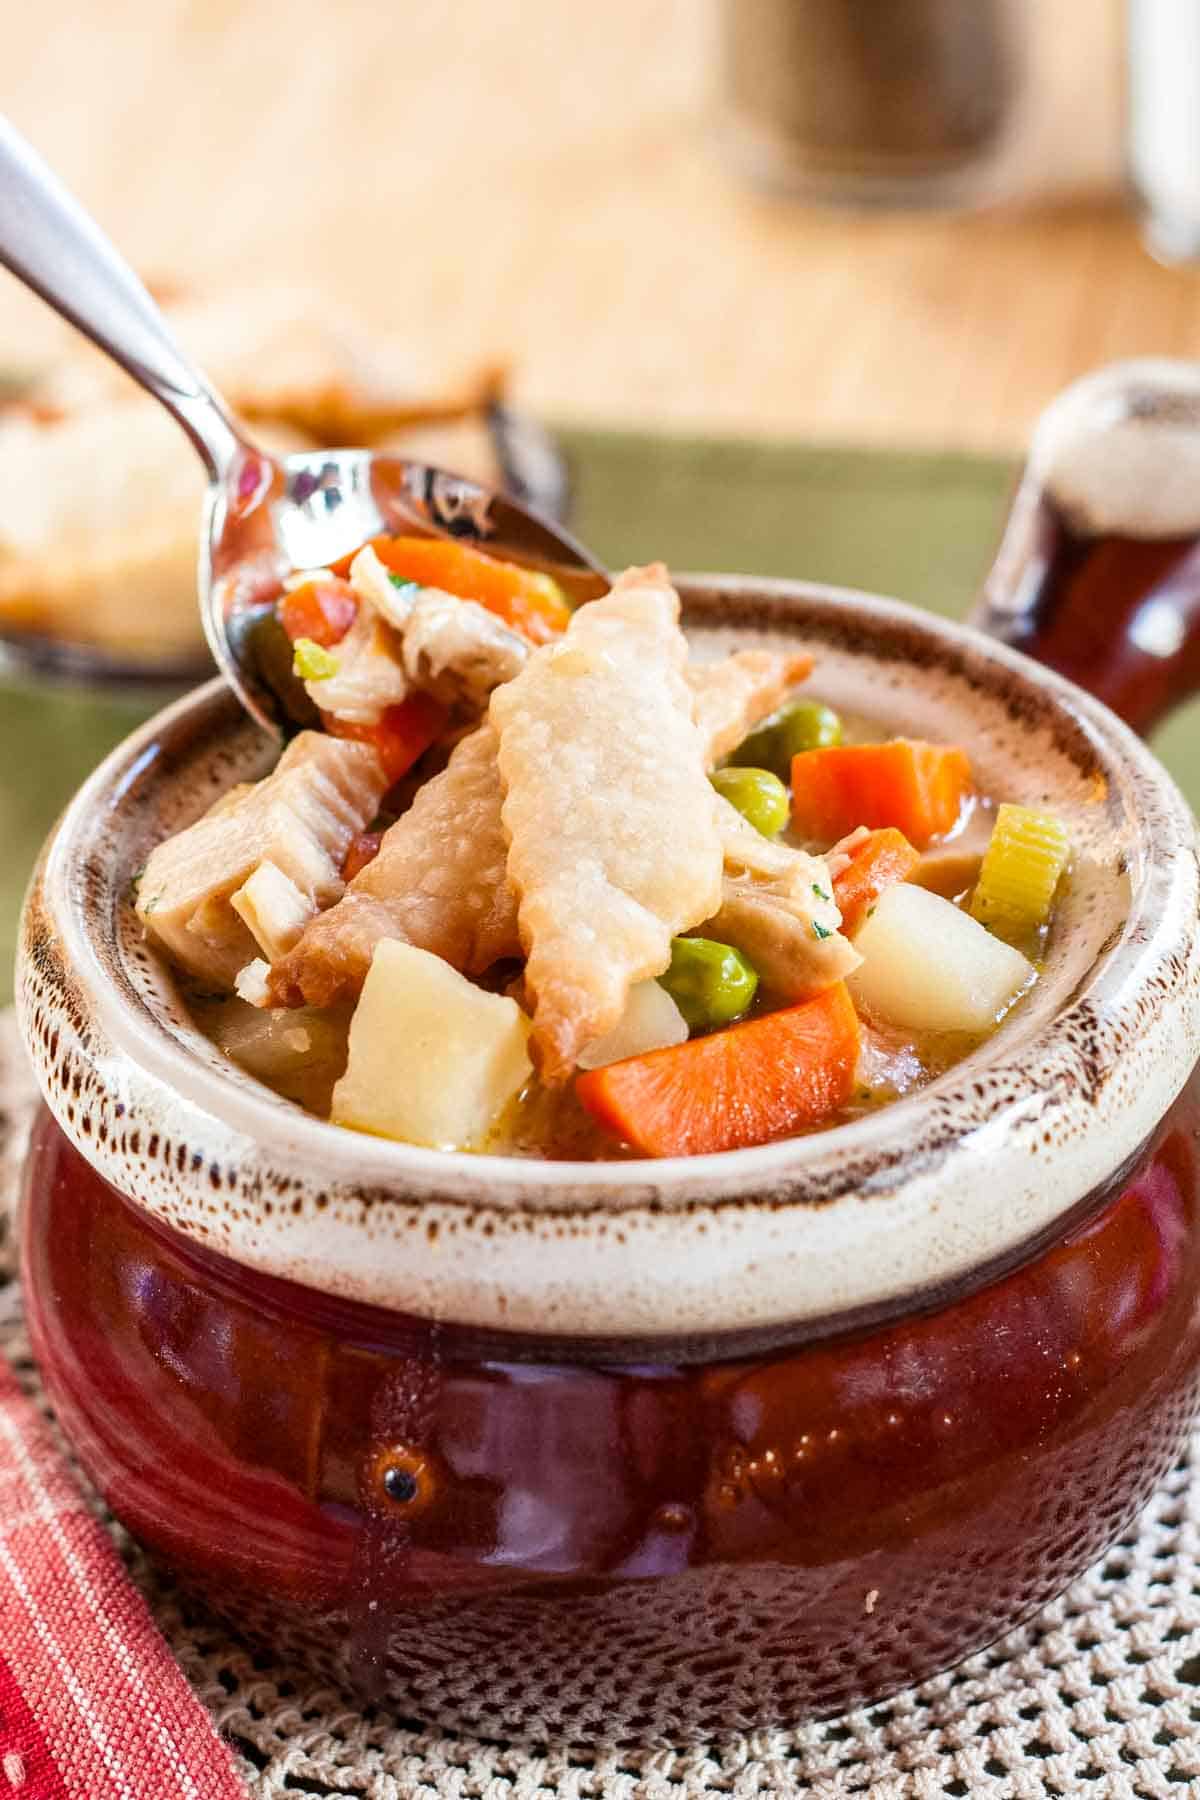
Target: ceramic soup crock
(661,1451)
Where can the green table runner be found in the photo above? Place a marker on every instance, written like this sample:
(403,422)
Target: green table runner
(922,527)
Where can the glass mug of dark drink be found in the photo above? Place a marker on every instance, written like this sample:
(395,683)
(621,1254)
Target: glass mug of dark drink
(662,1451)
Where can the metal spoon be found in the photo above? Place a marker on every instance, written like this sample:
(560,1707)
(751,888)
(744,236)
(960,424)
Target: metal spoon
(262,516)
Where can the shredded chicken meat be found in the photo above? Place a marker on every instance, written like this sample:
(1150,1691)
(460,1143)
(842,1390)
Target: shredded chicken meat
(438,882)
(237,881)
(734,695)
(369,676)
(777,907)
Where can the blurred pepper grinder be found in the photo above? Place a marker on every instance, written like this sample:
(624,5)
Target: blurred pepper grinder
(871,102)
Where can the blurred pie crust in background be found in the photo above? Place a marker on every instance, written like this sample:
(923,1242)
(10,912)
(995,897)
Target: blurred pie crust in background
(100,491)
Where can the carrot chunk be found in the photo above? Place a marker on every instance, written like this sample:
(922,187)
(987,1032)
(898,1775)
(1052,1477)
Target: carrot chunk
(321,610)
(532,603)
(917,787)
(876,862)
(363,850)
(745,1085)
(400,734)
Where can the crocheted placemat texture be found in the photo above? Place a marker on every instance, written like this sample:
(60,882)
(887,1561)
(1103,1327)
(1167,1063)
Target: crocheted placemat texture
(1100,1695)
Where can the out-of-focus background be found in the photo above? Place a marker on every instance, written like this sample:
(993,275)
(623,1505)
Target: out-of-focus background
(782,312)
(550,182)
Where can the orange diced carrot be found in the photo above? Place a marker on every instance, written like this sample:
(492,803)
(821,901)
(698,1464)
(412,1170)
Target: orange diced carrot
(321,610)
(400,735)
(748,1084)
(878,860)
(919,788)
(530,602)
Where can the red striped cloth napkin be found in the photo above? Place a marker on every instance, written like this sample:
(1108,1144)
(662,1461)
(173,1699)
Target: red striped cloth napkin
(92,1704)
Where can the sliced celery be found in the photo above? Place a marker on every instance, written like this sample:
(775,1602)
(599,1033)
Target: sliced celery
(1021,870)
(311,661)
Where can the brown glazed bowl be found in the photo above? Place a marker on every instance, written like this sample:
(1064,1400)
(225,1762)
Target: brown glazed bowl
(646,1452)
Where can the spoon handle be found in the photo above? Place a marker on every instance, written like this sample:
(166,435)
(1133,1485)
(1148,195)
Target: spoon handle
(51,244)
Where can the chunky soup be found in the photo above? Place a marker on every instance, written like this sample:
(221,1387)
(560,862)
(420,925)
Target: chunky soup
(531,881)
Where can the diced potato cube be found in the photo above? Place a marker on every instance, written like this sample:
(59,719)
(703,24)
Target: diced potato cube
(651,1021)
(433,1059)
(927,966)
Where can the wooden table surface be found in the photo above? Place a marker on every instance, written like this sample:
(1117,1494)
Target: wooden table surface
(544,180)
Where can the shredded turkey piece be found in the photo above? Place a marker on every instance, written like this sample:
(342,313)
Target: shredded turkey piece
(300,820)
(777,907)
(731,697)
(439,878)
(370,673)
(454,649)
(458,651)
(438,882)
(611,819)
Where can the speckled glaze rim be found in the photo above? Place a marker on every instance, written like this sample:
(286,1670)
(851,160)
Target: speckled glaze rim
(867,1217)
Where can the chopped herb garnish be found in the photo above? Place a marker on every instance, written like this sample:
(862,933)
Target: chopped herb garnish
(150,905)
(135,881)
(311,661)
(822,931)
(403,584)
(819,891)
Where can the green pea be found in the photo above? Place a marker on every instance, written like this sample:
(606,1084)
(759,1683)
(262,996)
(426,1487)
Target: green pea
(805,725)
(759,796)
(710,983)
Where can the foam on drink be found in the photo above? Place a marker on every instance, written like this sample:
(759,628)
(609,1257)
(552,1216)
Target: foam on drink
(1118,452)
(1098,573)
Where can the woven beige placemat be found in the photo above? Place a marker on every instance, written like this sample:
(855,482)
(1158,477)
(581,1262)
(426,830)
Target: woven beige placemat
(1100,1695)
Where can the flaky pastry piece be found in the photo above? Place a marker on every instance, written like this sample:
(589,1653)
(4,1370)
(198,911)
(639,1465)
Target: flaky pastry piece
(610,815)
(439,880)
(100,492)
(291,356)
(99,513)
